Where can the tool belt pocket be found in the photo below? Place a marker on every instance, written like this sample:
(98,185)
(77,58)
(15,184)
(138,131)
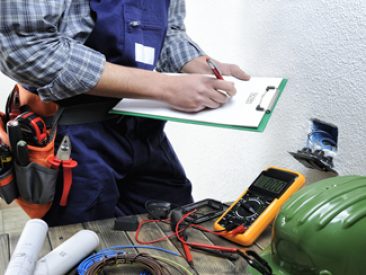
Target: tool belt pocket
(8,188)
(36,183)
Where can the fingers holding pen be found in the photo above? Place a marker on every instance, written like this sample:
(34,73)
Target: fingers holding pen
(212,103)
(219,93)
(226,88)
(195,92)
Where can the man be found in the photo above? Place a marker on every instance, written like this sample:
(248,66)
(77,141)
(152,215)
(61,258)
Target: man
(88,54)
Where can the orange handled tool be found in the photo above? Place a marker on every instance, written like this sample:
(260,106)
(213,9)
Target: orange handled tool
(63,159)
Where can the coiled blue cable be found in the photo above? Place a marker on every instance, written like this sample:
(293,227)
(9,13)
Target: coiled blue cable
(113,251)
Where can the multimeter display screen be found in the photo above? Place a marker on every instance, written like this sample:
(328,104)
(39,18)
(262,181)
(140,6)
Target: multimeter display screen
(270,184)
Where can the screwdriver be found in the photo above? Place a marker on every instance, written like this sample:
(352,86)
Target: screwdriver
(22,153)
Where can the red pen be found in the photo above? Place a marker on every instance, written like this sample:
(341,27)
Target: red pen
(217,73)
(214,68)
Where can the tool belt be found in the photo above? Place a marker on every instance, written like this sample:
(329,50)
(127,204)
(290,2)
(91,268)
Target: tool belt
(29,169)
(28,178)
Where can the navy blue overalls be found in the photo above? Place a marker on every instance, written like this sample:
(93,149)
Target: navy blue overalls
(123,161)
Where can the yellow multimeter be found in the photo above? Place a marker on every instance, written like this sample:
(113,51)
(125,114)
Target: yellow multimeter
(258,206)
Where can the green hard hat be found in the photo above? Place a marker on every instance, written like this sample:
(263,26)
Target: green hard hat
(321,230)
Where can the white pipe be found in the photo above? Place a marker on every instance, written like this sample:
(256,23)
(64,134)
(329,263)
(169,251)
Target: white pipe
(25,255)
(64,257)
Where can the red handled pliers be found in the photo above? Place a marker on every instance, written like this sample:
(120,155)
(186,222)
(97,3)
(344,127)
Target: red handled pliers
(64,160)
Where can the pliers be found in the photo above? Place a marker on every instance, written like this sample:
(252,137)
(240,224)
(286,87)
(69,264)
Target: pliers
(63,159)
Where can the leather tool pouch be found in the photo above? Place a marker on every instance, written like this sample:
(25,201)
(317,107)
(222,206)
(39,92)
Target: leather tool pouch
(35,182)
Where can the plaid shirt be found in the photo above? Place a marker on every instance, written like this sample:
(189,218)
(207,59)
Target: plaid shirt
(41,44)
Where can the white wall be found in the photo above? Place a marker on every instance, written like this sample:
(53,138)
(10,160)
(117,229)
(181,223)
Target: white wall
(6,85)
(320,46)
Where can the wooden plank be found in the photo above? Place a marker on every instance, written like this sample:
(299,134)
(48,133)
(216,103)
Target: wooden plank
(58,234)
(240,264)
(1,222)
(4,252)
(207,263)
(14,219)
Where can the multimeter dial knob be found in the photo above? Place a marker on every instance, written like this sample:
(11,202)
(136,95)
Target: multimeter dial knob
(249,207)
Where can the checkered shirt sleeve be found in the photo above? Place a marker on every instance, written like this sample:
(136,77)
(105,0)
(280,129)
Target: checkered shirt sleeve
(41,45)
(178,47)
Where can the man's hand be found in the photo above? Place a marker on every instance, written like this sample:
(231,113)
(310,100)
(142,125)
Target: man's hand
(232,70)
(199,65)
(195,92)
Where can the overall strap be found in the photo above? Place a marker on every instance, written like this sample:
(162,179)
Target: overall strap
(129,32)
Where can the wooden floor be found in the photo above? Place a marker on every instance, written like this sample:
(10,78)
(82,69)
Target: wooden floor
(12,220)
(12,217)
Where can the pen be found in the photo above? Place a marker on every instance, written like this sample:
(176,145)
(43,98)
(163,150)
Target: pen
(217,74)
(214,68)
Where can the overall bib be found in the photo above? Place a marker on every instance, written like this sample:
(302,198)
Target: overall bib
(122,161)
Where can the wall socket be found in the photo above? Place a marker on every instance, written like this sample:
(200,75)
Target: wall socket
(320,148)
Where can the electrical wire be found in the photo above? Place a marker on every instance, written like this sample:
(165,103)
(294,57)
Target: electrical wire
(321,138)
(184,242)
(177,234)
(145,247)
(250,256)
(166,221)
(138,230)
(150,263)
(204,229)
(106,257)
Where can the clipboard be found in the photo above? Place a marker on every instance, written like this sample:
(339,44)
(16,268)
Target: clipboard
(249,110)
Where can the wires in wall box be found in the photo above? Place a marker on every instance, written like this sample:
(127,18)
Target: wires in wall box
(320,147)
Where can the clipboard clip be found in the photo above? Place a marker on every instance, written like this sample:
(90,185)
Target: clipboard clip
(272,102)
